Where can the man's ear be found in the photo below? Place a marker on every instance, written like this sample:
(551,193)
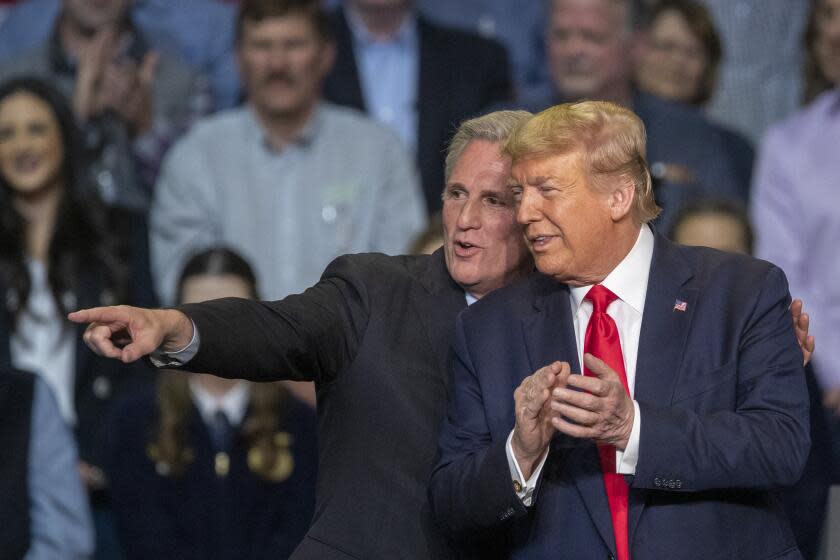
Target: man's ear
(621,199)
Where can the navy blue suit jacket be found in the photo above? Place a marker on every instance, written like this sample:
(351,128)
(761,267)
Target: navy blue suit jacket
(200,515)
(724,418)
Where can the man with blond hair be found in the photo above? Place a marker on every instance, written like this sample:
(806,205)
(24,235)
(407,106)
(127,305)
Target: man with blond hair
(692,406)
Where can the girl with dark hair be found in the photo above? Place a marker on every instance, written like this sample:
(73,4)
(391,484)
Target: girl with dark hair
(210,467)
(59,248)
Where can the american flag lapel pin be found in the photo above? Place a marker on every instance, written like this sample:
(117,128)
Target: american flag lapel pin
(680,305)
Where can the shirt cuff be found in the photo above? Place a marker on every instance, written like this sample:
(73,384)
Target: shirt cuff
(523,488)
(625,461)
(178,358)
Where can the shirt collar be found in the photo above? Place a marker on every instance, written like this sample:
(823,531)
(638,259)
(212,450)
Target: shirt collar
(405,36)
(307,135)
(629,279)
(471,299)
(233,403)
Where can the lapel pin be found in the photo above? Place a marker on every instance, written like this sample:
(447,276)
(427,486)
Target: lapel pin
(680,305)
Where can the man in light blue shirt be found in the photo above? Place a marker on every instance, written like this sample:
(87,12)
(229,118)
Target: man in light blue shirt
(287,180)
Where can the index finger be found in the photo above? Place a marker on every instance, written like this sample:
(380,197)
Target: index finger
(99,315)
(598,366)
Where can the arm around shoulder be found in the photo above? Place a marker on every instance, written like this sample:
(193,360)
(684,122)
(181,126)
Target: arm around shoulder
(749,427)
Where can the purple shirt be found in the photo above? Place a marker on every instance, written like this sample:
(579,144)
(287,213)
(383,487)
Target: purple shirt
(796,213)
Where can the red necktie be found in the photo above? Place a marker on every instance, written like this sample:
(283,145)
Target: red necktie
(602,342)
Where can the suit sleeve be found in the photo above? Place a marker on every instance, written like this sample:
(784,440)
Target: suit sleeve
(306,337)
(471,487)
(763,441)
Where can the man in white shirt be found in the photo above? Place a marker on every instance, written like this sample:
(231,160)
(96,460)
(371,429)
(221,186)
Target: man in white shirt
(692,407)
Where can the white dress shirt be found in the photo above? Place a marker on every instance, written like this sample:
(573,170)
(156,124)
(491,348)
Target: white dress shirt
(629,282)
(234,403)
(44,343)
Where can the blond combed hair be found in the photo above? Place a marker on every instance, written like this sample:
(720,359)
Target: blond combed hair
(611,139)
(492,127)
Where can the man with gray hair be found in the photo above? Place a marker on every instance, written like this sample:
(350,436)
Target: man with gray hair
(692,407)
(374,336)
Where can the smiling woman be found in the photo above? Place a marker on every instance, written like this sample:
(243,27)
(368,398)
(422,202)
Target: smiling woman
(679,58)
(59,248)
(31,152)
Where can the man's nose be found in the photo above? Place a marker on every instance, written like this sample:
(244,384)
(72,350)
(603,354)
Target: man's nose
(527,208)
(470,215)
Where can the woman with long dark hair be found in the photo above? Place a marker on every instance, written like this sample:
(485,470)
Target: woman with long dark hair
(60,248)
(207,467)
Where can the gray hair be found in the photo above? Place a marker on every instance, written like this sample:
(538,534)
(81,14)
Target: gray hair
(492,127)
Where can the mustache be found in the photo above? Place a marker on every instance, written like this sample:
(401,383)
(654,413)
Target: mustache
(279,77)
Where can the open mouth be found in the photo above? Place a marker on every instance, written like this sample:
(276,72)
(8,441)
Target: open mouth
(464,248)
(26,163)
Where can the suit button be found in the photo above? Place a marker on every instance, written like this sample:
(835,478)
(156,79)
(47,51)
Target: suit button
(102,387)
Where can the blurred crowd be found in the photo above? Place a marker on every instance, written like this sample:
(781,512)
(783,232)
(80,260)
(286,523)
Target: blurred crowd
(155,152)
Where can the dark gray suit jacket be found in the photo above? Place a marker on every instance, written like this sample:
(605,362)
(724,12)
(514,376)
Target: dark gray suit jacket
(374,335)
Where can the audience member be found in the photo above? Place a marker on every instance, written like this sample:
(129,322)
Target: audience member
(287,180)
(133,102)
(718,224)
(209,467)
(418,78)
(797,224)
(722,225)
(58,249)
(518,25)
(200,32)
(44,508)
(589,47)
(679,53)
(678,58)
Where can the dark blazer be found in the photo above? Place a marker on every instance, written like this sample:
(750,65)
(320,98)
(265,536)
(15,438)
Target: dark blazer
(97,380)
(198,514)
(16,396)
(461,74)
(724,418)
(374,335)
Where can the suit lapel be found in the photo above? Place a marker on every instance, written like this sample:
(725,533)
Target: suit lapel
(662,339)
(343,85)
(437,300)
(549,336)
